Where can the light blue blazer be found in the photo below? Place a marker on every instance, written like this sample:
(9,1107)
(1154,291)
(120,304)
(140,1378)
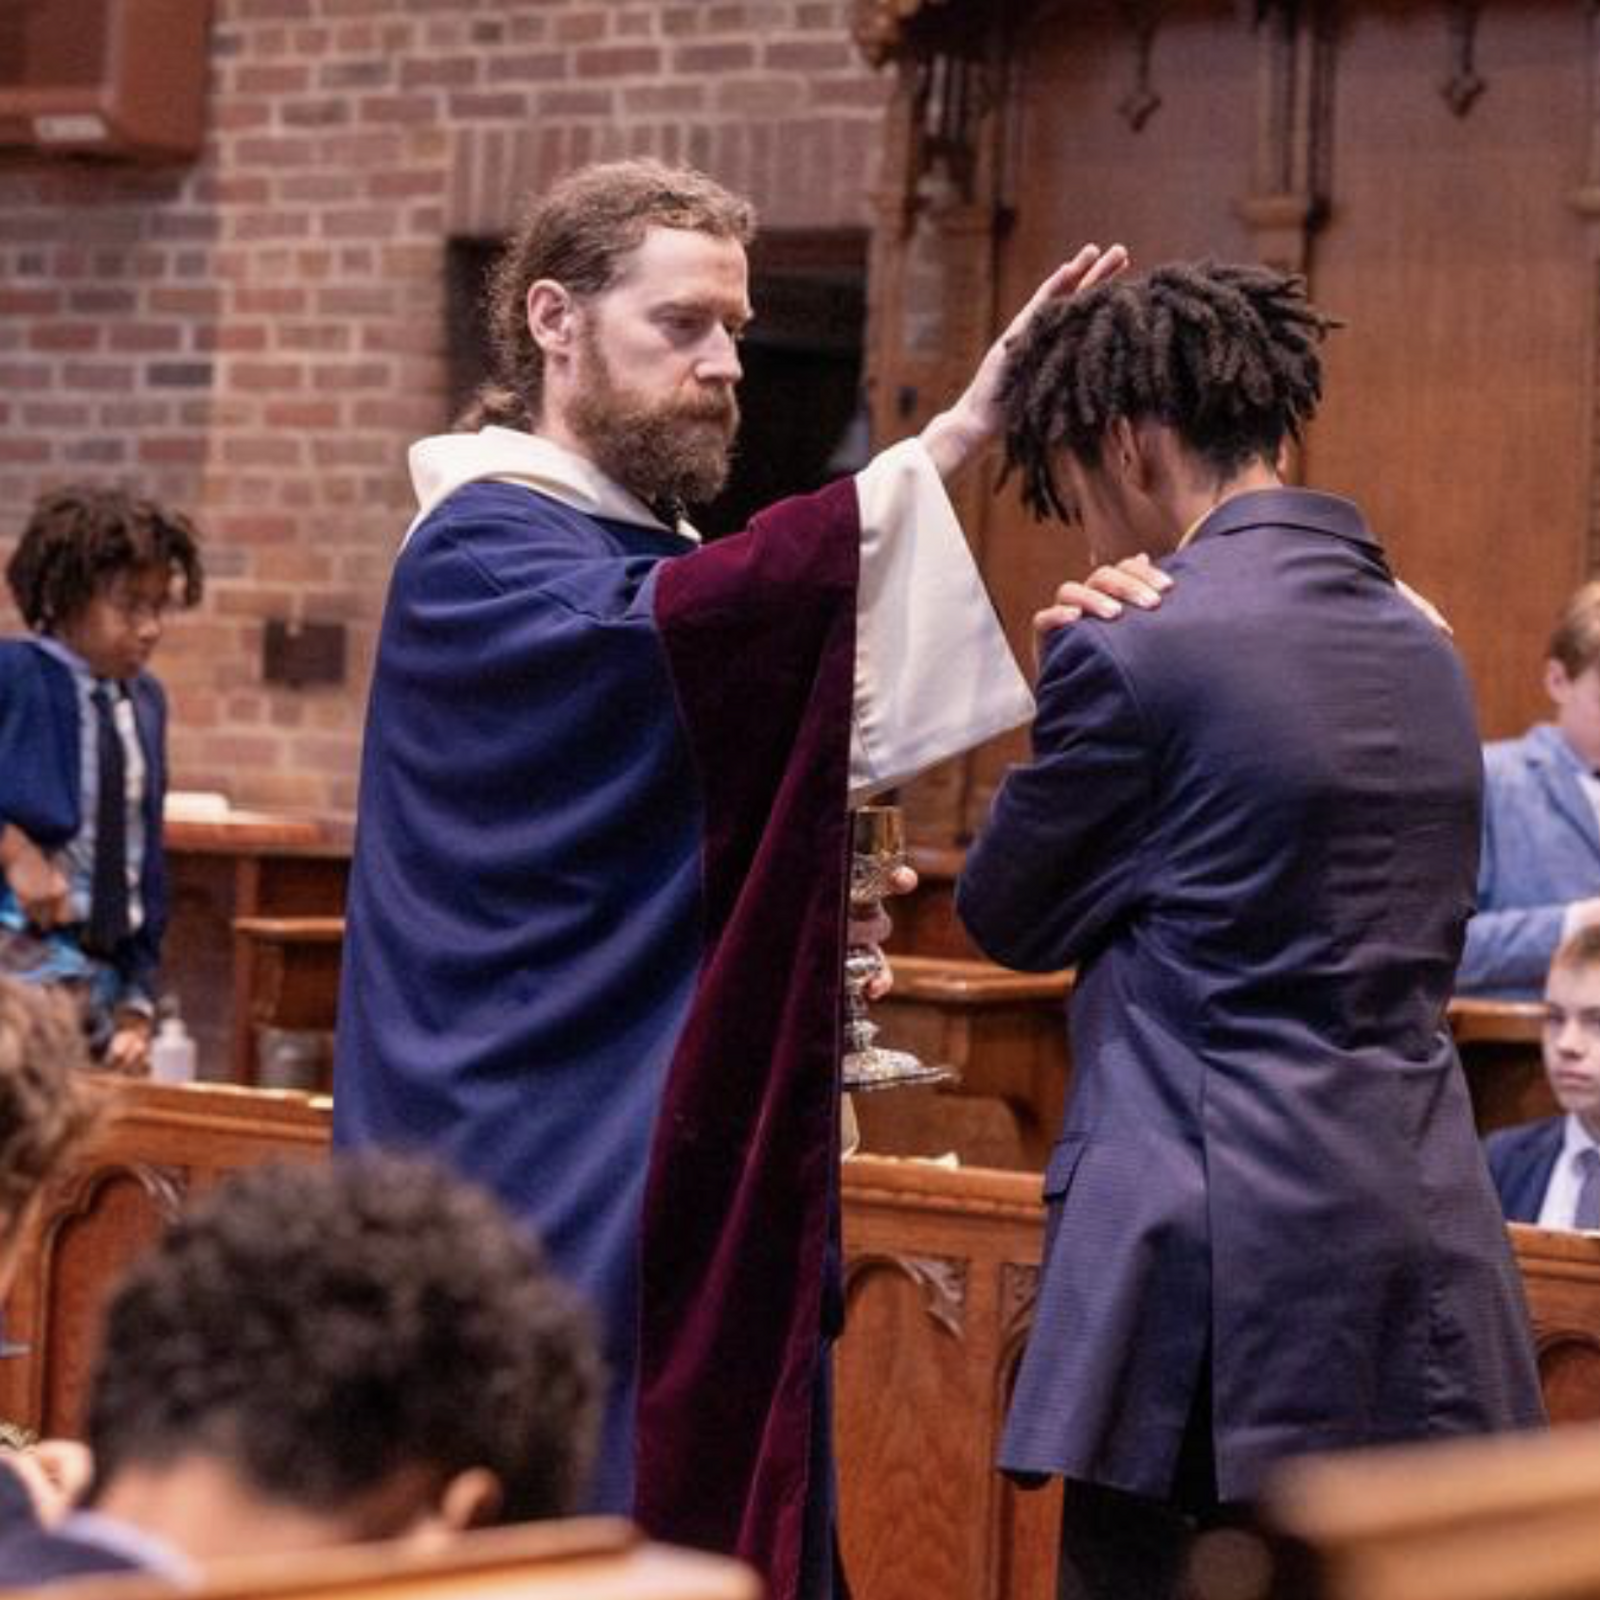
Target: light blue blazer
(1541,850)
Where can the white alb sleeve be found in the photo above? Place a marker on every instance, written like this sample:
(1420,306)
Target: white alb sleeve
(934,674)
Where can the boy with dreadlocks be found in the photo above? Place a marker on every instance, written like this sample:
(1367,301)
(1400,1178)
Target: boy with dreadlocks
(1251,821)
(83,755)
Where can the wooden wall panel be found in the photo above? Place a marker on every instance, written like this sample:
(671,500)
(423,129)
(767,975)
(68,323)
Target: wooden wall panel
(1459,235)
(1080,170)
(1456,409)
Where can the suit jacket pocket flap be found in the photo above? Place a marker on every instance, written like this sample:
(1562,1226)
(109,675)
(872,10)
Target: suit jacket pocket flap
(1065,1155)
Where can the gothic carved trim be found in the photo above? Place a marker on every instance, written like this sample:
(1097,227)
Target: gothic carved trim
(1294,102)
(942,1280)
(1019,1289)
(166,1187)
(1142,19)
(1463,84)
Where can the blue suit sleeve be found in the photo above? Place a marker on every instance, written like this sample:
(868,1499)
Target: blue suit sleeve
(1061,858)
(1508,947)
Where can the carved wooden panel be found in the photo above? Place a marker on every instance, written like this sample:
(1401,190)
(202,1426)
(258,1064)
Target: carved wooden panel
(1433,165)
(164,1145)
(935,1321)
(1561,1277)
(1082,172)
(105,1218)
(1455,408)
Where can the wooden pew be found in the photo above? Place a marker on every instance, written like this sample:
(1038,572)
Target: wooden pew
(166,1143)
(293,986)
(240,864)
(582,1559)
(940,1274)
(1513,1518)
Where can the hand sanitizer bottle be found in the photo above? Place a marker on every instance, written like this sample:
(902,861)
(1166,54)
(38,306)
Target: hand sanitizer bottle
(172,1055)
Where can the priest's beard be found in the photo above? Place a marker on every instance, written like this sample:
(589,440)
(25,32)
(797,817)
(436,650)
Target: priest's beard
(670,453)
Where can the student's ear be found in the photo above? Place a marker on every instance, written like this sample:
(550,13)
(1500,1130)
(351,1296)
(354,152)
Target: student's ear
(1556,682)
(1124,453)
(471,1499)
(552,317)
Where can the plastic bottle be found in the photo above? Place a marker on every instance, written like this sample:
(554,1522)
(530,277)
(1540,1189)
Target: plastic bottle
(172,1053)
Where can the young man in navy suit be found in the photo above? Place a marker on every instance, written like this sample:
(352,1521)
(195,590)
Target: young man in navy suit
(1539,879)
(1548,1172)
(1251,821)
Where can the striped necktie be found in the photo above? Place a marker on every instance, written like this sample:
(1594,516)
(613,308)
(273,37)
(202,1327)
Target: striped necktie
(108,884)
(1586,1214)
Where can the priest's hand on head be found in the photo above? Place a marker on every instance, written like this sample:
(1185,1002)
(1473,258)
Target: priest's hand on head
(956,436)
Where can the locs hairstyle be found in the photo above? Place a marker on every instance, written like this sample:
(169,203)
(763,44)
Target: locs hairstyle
(1226,355)
(79,539)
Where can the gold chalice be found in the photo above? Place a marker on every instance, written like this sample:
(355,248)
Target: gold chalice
(877,852)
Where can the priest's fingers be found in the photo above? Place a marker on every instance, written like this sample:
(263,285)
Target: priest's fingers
(882,981)
(1426,607)
(1091,265)
(67,1464)
(902,881)
(1137,580)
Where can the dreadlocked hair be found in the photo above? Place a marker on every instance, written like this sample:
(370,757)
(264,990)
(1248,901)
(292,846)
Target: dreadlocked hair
(1224,354)
(79,539)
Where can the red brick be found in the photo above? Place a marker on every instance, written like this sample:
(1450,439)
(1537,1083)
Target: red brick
(542,66)
(697,59)
(265,376)
(64,336)
(381,108)
(280,78)
(575,102)
(809,55)
(580,27)
(618,61)
(171,449)
(29,302)
(505,107)
(301,414)
(145,336)
(453,72)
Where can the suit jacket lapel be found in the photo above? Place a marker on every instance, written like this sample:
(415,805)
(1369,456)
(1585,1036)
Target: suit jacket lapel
(1564,788)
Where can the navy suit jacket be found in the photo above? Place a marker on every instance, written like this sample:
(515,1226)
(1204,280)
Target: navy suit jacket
(40,780)
(1541,850)
(30,1554)
(1251,818)
(1521,1160)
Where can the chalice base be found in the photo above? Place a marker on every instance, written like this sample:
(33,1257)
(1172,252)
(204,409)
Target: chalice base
(875,1068)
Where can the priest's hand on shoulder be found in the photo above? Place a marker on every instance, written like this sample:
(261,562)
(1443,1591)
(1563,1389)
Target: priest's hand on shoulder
(1133,581)
(55,1472)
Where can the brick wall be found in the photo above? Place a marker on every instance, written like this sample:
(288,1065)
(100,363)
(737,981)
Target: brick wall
(256,338)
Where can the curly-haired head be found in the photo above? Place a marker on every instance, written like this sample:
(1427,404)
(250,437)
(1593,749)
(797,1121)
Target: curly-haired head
(578,233)
(81,540)
(46,1108)
(319,1328)
(1227,356)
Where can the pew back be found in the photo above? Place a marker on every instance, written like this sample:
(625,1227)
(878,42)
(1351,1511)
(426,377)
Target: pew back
(1512,1518)
(583,1559)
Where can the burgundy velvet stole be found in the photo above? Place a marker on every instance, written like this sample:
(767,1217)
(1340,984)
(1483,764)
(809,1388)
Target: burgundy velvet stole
(759,630)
